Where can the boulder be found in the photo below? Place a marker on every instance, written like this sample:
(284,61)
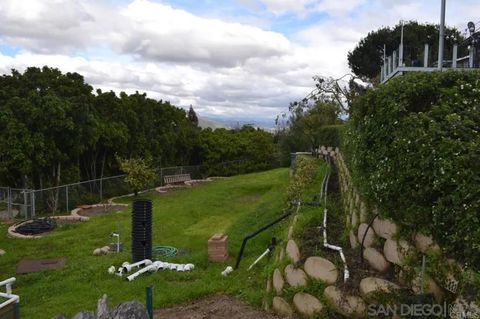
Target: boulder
(369,237)
(384,228)
(321,269)
(295,276)
(292,251)
(102,308)
(306,304)
(371,284)
(84,315)
(353,240)
(290,232)
(130,310)
(396,251)
(354,218)
(281,307)
(278,281)
(375,259)
(349,306)
(363,213)
(425,243)
(97,252)
(2,252)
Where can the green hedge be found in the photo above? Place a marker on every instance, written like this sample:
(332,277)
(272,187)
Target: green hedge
(414,148)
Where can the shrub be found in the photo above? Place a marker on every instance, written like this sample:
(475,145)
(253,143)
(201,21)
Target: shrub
(331,135)
(414,149)
(303,176)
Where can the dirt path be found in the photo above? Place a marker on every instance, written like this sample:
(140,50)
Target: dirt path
(213,307)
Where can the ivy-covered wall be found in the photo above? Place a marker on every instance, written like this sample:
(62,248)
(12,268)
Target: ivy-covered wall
(414,149)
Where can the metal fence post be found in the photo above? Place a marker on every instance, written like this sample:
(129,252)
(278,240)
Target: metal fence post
(25,207)
(9,202)
(66,198)
(101,189)
(32,204)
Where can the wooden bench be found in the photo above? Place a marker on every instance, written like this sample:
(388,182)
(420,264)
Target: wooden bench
(173,179)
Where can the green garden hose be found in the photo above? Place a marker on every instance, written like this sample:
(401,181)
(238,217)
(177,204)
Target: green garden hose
(164,251)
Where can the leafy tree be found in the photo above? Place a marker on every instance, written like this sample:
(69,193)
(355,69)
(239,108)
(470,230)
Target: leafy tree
(140,175)
(366,58)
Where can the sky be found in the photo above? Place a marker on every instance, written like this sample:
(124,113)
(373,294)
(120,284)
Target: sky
(230,59)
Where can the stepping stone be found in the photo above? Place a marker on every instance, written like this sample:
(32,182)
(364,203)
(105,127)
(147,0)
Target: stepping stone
(369,238)
(375,259)
(321,269)
(307,304)
(281,307)
(425,243)
(396,251)
(349,306)
(384,228)
(371,284)
(278,281)
(292,251)
(295,276)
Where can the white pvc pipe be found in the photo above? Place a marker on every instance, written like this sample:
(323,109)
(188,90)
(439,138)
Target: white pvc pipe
(127,267)
(141,271)
(259,258)
(11,299)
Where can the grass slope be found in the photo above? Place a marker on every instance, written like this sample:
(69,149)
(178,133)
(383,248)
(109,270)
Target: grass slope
(184,218)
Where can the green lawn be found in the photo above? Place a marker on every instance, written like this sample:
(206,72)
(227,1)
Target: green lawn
(184,218)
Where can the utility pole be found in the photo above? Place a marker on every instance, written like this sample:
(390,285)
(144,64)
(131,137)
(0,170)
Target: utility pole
(441,40)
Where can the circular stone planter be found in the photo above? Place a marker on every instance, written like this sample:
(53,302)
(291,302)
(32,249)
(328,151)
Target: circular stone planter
(98,209)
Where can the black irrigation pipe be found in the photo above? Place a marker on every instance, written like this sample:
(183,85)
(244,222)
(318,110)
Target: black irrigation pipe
(255,233)
(365,235)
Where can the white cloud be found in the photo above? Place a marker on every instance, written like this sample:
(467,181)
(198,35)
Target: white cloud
(222,68)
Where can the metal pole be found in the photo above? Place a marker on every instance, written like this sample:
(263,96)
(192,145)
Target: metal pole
(9,202)
(455,56)
(66,198)
(425,56)
(400,51)
(33,203)
(149,302)
(441,42)
(101,189)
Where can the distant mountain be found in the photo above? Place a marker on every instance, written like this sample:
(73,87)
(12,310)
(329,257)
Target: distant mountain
(205,122)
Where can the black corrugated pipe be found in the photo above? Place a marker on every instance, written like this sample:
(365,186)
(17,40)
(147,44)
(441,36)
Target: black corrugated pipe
(141,230)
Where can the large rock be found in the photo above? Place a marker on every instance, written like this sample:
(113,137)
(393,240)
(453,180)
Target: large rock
(353,240)
(130,310)
(349,306)
(371,284)
(281,307)
(363,213)
(369,237)
(278,281)
(292,251)
(84,315)
(321,269)
(354,218)
(396,251)
(384,228)
(102,308)
(375,259)
(307,304)
(295,276)
(2,252)
(425,243)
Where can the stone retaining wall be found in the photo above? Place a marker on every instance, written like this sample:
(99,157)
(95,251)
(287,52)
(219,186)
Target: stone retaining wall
(384,251)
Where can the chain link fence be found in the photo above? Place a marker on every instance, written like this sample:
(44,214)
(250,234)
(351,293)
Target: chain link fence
(60,200)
